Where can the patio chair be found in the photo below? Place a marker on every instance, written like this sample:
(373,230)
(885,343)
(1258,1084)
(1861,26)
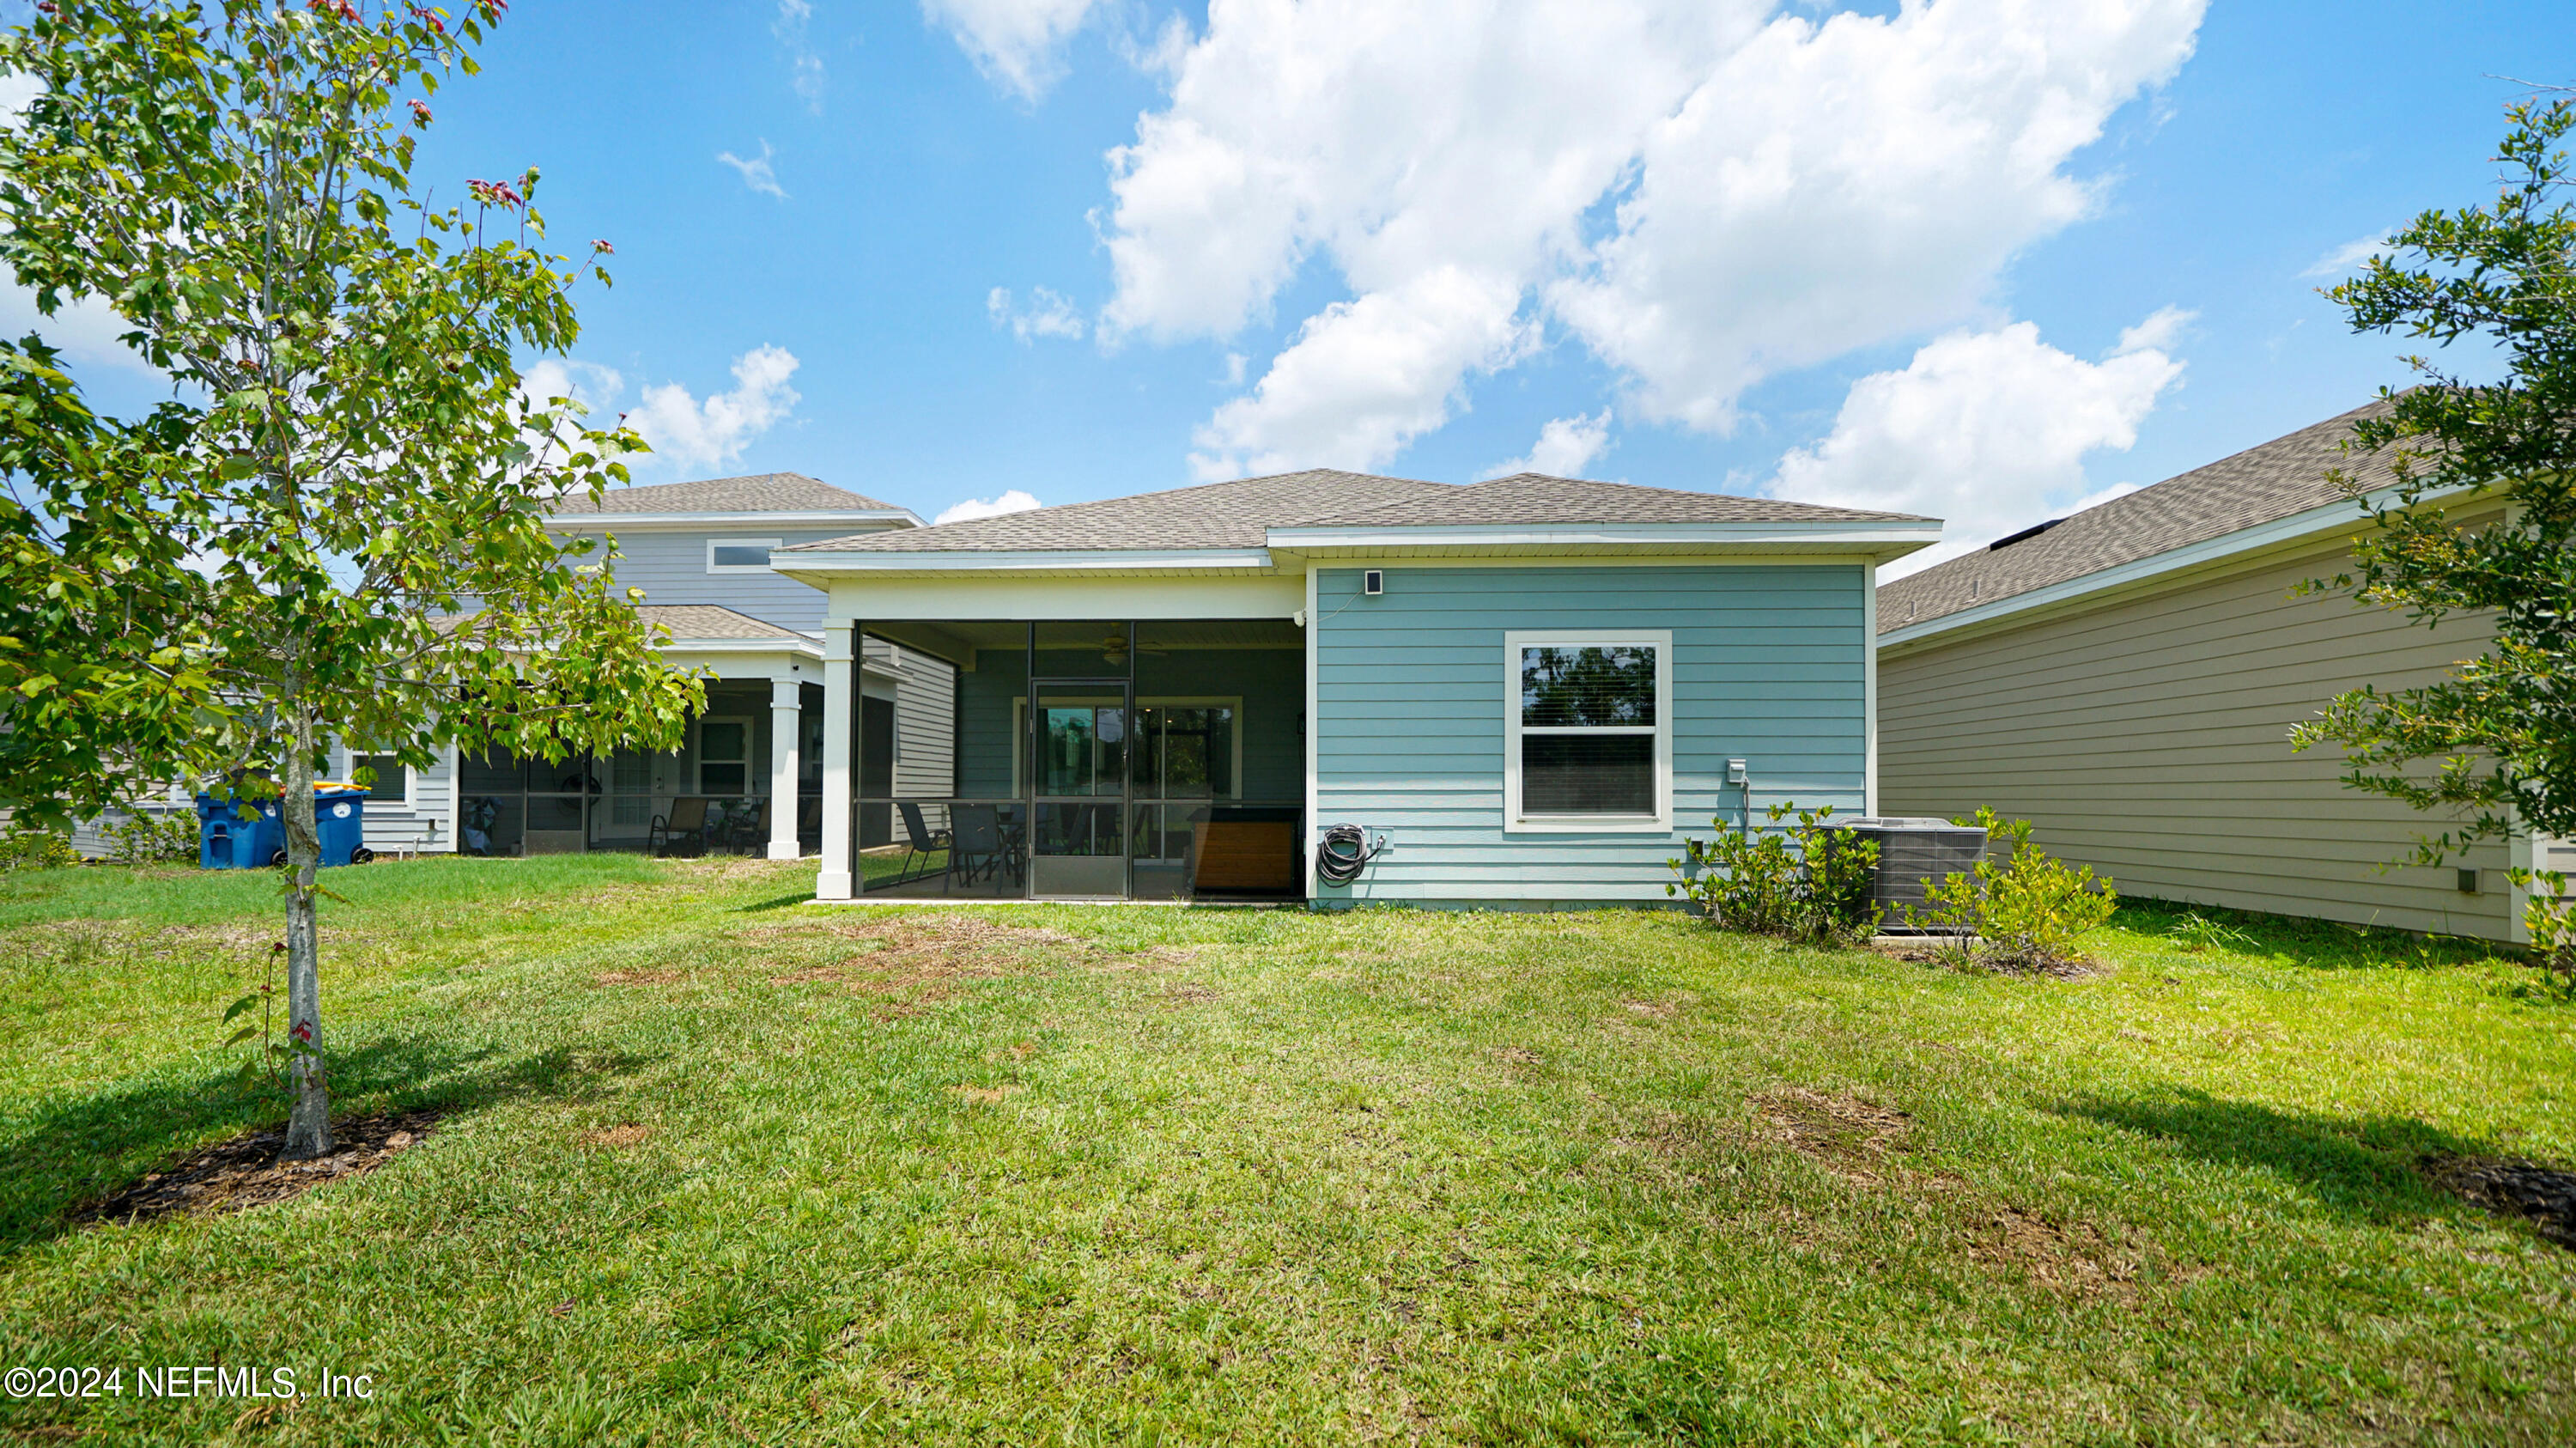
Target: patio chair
(975,849)
(924,840)
(746,826)
(684,829)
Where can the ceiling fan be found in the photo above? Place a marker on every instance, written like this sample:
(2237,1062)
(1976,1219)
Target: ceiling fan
(1113,649)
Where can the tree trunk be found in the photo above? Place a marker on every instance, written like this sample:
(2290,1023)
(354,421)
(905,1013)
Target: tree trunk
(308,1129)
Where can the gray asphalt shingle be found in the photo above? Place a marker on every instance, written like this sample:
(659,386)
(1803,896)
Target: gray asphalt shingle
(2284,476)
(710,621)
(754,493)
(1215,515)
(1538,499)
(1240,514)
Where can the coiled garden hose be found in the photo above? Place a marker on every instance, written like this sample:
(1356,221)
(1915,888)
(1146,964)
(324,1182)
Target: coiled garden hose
(1345,852)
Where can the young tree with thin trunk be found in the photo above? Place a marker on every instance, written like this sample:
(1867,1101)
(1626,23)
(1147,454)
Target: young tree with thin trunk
(361,487)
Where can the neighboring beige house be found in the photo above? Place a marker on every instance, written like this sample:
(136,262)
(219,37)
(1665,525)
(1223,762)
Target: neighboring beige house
(2127,678)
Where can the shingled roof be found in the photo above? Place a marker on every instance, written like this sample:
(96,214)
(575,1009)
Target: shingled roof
(1216,515)
(755,493)
(1240,514)
(2284,476)
(692,621)
(1537,499)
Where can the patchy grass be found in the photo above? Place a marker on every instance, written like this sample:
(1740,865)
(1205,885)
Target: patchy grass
(714,1165)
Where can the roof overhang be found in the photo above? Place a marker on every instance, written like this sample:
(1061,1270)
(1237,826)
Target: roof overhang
(2174,564)
(1290,548)
(1876,538)
(760,658)
(815,565)
(852,519)
(745,646)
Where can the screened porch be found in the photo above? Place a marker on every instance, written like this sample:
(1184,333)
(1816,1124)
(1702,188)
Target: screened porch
(1119,759)
(716,794)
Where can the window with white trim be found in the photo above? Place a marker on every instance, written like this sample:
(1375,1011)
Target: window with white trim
(1588,730)
(391,779)
(740,555)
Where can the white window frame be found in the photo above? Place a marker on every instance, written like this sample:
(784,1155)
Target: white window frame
(1020,730)
(348,770)
(750,758)
(1516,820)
(715,543)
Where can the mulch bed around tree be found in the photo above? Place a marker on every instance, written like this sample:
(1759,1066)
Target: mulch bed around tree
(2518,1188)
(244,1172)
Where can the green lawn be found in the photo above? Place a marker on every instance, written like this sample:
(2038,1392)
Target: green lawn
(1072,1175)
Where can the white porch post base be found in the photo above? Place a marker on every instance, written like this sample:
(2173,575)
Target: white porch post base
(786,728)
(840,708)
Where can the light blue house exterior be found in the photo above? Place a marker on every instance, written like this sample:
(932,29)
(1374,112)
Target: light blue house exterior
(1769,664)
(1523,693)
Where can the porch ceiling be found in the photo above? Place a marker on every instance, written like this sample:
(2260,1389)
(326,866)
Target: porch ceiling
(957,639)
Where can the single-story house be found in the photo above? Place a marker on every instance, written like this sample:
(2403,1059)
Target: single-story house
(2127,678)
(1521,692)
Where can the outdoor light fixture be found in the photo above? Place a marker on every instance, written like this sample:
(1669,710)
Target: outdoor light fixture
(1373,581)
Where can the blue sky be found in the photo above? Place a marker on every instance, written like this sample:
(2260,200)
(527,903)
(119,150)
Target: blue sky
(1978,258)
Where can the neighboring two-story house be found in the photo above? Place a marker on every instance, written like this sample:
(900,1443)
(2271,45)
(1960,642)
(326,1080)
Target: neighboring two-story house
(700,552)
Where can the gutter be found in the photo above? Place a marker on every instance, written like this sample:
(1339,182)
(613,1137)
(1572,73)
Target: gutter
(1055,560)
(1893,539)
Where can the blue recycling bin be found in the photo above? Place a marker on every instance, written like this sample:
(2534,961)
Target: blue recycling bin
(227,841)
(340,817)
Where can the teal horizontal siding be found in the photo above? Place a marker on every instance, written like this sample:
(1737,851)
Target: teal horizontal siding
(1768,666)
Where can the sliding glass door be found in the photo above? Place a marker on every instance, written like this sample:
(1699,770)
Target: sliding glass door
(1080,735)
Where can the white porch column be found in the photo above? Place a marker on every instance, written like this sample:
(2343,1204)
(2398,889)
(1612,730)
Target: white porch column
(840,708)
(786,732)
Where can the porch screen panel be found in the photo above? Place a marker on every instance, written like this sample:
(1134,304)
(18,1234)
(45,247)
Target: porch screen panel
(1588,718)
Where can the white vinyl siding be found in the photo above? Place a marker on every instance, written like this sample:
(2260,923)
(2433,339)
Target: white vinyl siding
(673,568)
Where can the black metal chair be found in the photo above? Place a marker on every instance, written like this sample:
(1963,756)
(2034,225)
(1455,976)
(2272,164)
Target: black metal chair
(746,826)
(924,840)
(975,847)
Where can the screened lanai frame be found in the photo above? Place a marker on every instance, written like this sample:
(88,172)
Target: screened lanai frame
(1103,773)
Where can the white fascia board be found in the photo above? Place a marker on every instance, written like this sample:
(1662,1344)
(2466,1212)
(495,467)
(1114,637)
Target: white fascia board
(2321,521)
(1068,560)
(661,522)
(745,646)
(1881,538)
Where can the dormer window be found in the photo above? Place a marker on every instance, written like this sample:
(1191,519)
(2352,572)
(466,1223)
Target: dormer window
(740,555)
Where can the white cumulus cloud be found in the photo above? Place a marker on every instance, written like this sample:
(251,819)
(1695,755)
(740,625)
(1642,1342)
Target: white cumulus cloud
(682,430)
(713,432)
(1013,501)
(1018,44)
(1987,430)
(757,173)
(1702,192)
(1047,314)
(1565,447)
(1366,377)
